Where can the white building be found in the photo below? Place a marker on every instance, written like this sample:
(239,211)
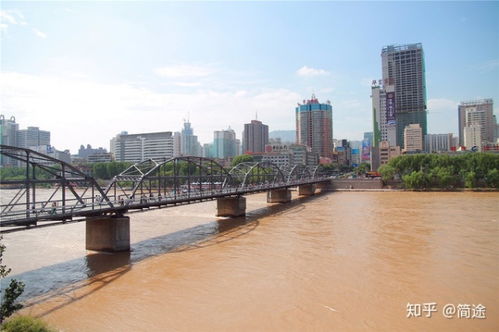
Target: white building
(473,136)
(413,138)
(138,147)
(477,112)
(439,142)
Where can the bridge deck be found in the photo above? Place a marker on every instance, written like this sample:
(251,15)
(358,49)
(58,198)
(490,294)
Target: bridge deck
(32,217)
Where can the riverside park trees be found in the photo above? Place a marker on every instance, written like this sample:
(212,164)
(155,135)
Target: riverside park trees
(10,294)
(424,171)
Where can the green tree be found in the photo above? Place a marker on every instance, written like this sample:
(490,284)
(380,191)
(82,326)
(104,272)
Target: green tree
(442,177)
(470,180)
(241,159)
(415,180)
(99,171)
(25,324)
(11,293)
(363,168)
(387,172)
(493,178)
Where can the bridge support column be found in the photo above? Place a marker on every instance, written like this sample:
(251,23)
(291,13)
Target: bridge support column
(279,196)
(108,233)
(231,206)
(306,190)
(323,186)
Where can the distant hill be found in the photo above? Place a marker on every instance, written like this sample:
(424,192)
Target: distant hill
(285,135)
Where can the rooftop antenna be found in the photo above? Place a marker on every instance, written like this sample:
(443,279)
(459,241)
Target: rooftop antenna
(256,115)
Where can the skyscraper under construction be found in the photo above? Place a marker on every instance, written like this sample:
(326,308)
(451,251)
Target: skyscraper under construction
(405,87)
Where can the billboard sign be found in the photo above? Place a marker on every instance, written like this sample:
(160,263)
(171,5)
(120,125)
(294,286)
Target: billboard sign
(366,150)
(390,108)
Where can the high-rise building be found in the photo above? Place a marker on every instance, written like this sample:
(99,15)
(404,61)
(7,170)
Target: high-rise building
(189,145)
(367,143)
(478,112)
(224,144)
(314,126)
(8,136)
(438,142)
(32,137)
(139,147)
(208,150)
(405,87)
(413,138)
(496,128)
(473,136)
(383,116)
(177,141)
(255,137)
(369,136)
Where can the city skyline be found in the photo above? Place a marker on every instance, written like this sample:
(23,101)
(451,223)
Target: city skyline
(143,67)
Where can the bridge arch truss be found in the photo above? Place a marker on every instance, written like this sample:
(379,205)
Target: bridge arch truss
(67,190)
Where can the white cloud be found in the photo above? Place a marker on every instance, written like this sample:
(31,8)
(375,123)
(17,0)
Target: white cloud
(39,33)
(188,84)
(184,71)
(10,17)
(441,104)
(309,71)
(84,112)
(7,18)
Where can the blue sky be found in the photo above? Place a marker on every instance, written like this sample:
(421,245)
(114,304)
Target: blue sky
(88,70)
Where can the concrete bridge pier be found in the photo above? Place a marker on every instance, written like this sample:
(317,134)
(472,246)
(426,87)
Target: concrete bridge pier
(306,190)
(279,196)
(324,186)
(231,206)
(107,233)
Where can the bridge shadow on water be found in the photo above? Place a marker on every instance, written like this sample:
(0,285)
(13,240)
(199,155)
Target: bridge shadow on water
(75,279)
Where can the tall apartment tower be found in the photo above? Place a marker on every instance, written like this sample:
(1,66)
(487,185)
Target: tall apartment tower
(405,86)
(314,126)
(477,113)
(255,137)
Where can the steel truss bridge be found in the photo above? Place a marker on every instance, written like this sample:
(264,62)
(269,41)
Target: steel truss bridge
(52,190)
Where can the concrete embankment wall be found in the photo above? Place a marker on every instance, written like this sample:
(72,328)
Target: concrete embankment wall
(356,184)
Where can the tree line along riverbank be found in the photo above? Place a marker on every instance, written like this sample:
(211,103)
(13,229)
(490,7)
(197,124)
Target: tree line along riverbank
(440,171)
